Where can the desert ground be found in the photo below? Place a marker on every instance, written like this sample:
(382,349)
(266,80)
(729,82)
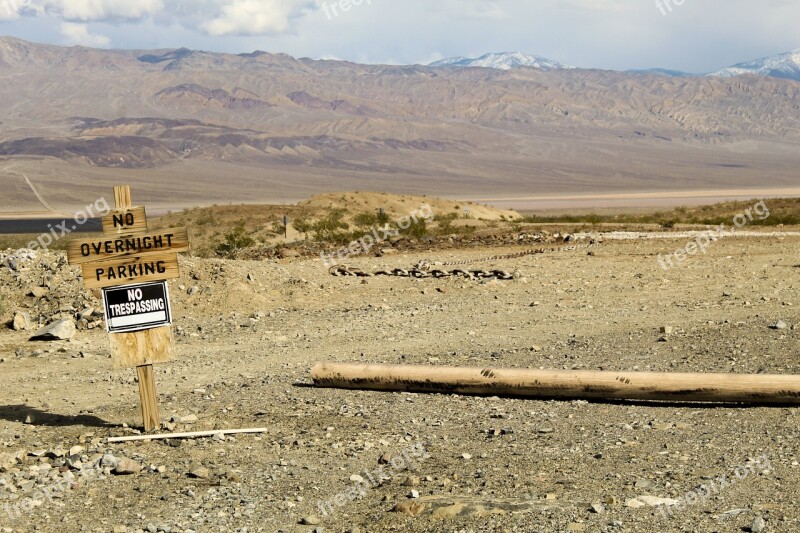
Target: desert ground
(248,332)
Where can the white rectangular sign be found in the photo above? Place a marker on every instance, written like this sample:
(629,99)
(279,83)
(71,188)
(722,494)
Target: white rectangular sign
(137,307)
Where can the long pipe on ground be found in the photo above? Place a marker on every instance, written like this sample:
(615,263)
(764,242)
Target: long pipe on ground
(562,384)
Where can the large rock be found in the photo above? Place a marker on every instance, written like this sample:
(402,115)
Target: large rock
(21,322)
(59,330)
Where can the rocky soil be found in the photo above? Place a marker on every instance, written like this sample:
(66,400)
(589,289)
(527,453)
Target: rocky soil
(335,461)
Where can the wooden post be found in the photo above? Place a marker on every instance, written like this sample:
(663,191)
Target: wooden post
(147,396)
(132,267)
(123,343)
(563,384)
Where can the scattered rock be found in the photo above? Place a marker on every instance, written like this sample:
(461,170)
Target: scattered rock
(126,467)
(598,508)
(780,324)
(21,322)
(650,501)
(200,472)
(310,520)
(410,508)
(86,314)
(38,292)
(759,525)
(385,458)
(412,481)
(63,329)
(77,450)
(188,419)
(286,253)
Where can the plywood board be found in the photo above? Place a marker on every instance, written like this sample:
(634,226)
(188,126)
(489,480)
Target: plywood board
(129,350)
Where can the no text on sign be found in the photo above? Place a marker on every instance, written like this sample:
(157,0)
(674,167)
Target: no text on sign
(137,307)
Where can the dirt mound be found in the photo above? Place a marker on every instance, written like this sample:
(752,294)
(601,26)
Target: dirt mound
(400,205)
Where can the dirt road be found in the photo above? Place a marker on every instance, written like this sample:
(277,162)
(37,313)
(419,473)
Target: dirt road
(248,333)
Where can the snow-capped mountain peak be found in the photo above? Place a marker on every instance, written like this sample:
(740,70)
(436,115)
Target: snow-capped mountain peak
(786,65)
(502,61)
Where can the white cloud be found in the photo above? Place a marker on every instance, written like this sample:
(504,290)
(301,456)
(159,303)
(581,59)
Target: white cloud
(11,9)
(87,10)
(254,17)
(214,17)
(75,33)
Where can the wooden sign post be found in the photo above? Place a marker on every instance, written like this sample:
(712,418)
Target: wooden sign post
(129,256)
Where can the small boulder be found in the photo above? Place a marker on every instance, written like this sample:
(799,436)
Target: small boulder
(38,292)
(21,322)
(126,467)
(200,472)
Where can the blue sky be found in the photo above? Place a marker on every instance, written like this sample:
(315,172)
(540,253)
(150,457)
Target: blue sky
(690,35)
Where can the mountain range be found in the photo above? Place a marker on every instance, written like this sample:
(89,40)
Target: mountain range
(503,61)
(190,127)
(786,65)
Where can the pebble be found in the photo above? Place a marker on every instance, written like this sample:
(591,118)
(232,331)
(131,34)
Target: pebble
(77,450)
(780,324)
(310,520)
(759,525)
(200,472)
(598,508)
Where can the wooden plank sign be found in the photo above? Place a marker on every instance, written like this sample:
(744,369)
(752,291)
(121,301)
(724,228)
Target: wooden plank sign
(125,221)
(125,262)
(81,251)
(132,269)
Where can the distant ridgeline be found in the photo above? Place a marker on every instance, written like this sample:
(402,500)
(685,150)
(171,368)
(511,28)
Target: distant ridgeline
(44,225)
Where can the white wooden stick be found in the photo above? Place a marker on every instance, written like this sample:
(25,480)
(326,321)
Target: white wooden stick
(187,435)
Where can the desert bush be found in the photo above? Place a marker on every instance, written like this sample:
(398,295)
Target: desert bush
(235,241)
(303,226)
(365,220)
(330,227)
(417,229)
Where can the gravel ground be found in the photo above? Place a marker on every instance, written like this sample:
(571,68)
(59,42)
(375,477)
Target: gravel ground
(335,461)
